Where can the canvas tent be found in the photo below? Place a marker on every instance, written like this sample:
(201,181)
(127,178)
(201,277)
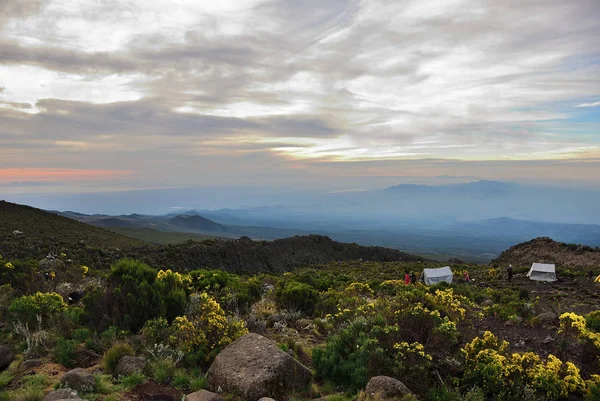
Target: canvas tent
(542,272)
(433,276)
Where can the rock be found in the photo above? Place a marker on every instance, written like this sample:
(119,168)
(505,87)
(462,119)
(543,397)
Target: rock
(487,302)
(130,364)
(386,387)
(6,357)
(79,379)
(255,367)
(548,319)
(548,340)
(203,395)
(31,363)
(63,394)
(515,321)
(266,399)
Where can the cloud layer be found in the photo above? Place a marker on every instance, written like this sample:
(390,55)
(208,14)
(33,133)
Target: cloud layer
(279,91)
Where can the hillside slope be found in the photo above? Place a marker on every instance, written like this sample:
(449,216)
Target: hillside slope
(546,250)
(196,223)
(45,232)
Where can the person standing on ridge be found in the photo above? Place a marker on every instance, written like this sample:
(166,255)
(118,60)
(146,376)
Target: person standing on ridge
(467,277)
(413,278)
(406,279)
(509,271)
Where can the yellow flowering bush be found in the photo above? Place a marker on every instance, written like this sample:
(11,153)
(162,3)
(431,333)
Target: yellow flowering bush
(182,280)
(576,326)
(489,365)
(454,306)
(9,265)
(84,271)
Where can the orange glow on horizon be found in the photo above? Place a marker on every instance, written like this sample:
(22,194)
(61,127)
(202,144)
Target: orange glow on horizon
(59,174)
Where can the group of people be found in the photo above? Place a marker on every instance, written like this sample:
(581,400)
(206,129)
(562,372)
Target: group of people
(410,278)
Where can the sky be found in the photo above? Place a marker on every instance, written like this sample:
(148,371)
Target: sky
(107,95)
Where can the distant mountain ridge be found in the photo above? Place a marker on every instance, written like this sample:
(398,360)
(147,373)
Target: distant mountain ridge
(196,222)
(546,250)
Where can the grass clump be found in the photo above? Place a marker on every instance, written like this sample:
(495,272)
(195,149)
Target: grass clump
(162,370)
(132,380)
(114,353)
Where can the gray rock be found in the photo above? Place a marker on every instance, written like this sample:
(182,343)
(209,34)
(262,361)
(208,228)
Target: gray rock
(386,387)
(266,399)
(6,357)
(79,379)
(487,302)
(548,319)
(130,364)
(31,363)
(254,367)
(63,394)
(548,340)
(203,395)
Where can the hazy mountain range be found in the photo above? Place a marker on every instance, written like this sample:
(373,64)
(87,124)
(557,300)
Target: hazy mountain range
(474,221)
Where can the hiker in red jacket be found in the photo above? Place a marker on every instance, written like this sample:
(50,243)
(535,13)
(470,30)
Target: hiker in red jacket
(406,279)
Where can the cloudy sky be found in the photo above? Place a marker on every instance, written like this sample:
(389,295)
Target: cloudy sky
(343,94)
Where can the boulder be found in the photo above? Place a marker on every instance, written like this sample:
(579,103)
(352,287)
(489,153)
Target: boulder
(254,367)
(203,395)
(487,302)
(79,379)
(6,357)
(266,399)
(386,387)
(548,319)
(130,364)
(63,394)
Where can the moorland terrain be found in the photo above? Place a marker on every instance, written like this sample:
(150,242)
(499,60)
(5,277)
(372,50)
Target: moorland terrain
(77,296)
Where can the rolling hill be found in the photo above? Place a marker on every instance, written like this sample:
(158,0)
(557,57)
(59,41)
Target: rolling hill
(546,250)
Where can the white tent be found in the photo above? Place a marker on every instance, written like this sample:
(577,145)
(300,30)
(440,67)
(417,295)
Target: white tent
(433,276)
(542,272)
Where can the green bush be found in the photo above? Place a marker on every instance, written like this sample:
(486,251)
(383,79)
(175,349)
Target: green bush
(81,334)
(592,320)
(114,353)
(298,296)
(351,357)
(65,352)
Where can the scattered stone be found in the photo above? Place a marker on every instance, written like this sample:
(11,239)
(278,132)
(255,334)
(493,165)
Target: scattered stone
(266,399)
(515,321)
(203,395)
(255,367)
(548,319)
(548,340)
(6,357)
(31,363)
(63,394)
(386,387)
(130,364)
(79,379)
(487,302)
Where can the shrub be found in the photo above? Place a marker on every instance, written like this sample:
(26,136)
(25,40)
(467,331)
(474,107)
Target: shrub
(114,353)
(65,352)
(135,297)
(351,357)
(198,383)
(26,309)
(592,320)
(299,296)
